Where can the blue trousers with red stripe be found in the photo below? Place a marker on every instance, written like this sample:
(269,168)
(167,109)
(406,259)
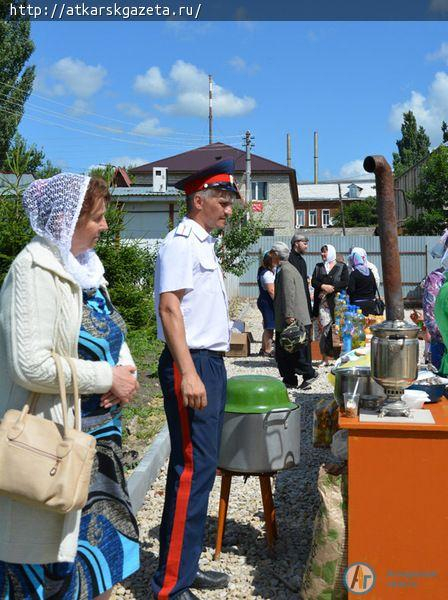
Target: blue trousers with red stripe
(195,438)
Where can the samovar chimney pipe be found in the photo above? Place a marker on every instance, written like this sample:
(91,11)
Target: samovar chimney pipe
(387,226)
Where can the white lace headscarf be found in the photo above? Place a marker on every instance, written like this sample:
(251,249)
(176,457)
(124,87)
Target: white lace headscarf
(53,206)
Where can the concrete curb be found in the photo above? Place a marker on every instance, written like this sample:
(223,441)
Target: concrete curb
(148,469)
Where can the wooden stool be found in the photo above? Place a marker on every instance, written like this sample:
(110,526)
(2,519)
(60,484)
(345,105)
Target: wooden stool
(268,506)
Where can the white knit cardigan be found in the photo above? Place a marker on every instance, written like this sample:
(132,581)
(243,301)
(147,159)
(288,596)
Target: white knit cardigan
(40,312)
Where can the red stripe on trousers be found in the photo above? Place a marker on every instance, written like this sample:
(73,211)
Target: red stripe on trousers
(183,496)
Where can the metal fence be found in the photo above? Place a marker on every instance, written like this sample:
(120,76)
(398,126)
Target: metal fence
(415,260)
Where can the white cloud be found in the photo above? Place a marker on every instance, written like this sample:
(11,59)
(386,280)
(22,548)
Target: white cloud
(42,87)
(440,6)
(242,66)
(440,54)
(128,161)
(429,110)
(80,107)
(70,76)
(191,85)
(77,77)
(132,110)
(353,170)
(152,83)
(151,127)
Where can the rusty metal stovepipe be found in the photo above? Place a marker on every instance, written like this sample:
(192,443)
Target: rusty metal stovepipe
(387,225)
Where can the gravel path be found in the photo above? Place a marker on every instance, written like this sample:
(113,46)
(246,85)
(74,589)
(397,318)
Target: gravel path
(255,573)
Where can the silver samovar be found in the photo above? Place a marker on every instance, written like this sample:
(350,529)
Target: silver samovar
(394,346)
(394,362)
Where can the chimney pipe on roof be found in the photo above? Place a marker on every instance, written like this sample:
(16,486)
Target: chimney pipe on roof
(288,149)
(316,159)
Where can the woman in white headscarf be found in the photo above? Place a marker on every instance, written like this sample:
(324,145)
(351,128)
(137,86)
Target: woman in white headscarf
(54,299)
(362,286)
(329,277)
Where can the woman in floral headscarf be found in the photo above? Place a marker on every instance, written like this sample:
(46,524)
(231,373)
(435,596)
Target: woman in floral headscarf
(362,287)
(432,285)
(54,299)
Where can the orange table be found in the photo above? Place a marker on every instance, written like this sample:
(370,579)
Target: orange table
(398,507)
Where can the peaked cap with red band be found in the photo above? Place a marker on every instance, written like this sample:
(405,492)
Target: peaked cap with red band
(217,176)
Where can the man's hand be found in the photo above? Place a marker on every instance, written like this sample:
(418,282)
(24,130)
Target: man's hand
(289,320)
(193,391)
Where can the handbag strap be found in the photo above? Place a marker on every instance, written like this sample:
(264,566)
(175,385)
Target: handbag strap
(30,405)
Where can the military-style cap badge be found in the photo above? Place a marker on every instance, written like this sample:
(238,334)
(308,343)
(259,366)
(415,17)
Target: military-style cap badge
(216,176)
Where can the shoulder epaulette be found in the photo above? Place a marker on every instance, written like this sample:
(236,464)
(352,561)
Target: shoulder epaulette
(183,229)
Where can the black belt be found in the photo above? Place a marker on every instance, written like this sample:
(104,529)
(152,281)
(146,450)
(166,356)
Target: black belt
(202,351)
(207,352)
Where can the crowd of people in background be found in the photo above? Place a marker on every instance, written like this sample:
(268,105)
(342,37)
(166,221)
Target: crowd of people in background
(288,296)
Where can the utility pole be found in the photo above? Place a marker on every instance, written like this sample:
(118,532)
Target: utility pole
(316,159)
(248,143)
(342,209)
(210,109)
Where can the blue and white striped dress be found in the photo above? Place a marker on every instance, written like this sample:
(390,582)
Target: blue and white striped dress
(108,547)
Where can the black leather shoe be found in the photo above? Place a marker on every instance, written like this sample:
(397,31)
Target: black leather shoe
(210,580)
(187,595)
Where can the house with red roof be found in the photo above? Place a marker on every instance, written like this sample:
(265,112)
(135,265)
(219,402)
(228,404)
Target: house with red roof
(151,201)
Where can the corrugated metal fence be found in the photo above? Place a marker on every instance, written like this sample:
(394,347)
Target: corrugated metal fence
(415,259)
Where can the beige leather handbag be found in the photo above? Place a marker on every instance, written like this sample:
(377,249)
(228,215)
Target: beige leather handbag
(44,463)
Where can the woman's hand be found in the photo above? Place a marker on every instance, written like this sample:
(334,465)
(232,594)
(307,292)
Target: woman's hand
(327,288)
(124,386)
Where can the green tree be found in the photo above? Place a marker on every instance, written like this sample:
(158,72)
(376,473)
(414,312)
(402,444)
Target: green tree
(428,223)
(444,132)
(431,195)
(360,213)
(432,190)
(413,146)
(129,267)
(242,230)
(105,172)
(15,230)
(16,79)
(29,157)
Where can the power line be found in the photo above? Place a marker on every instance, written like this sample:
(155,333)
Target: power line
(107,118)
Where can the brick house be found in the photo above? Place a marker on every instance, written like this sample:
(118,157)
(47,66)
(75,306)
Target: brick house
(319,202)
(274,187)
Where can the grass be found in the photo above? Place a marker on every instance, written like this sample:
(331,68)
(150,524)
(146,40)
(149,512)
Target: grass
(144,417)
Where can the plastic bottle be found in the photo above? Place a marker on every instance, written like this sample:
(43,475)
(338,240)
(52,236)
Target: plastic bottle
(361,327)
(347,332)
(339,308)
(359,336)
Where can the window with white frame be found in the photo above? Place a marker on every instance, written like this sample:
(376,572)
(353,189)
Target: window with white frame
(326,220)
(312,218)
(259,190)
(300,218)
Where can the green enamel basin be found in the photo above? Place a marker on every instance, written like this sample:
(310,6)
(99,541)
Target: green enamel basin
(256,394)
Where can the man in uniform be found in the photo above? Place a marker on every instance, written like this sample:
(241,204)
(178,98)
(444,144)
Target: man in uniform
(299,247)
(193,321)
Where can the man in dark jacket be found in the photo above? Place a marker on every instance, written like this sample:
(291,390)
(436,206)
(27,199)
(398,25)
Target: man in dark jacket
(289,307)
(299,247)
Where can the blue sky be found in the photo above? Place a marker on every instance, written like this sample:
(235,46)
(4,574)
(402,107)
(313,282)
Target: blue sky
(126,91)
